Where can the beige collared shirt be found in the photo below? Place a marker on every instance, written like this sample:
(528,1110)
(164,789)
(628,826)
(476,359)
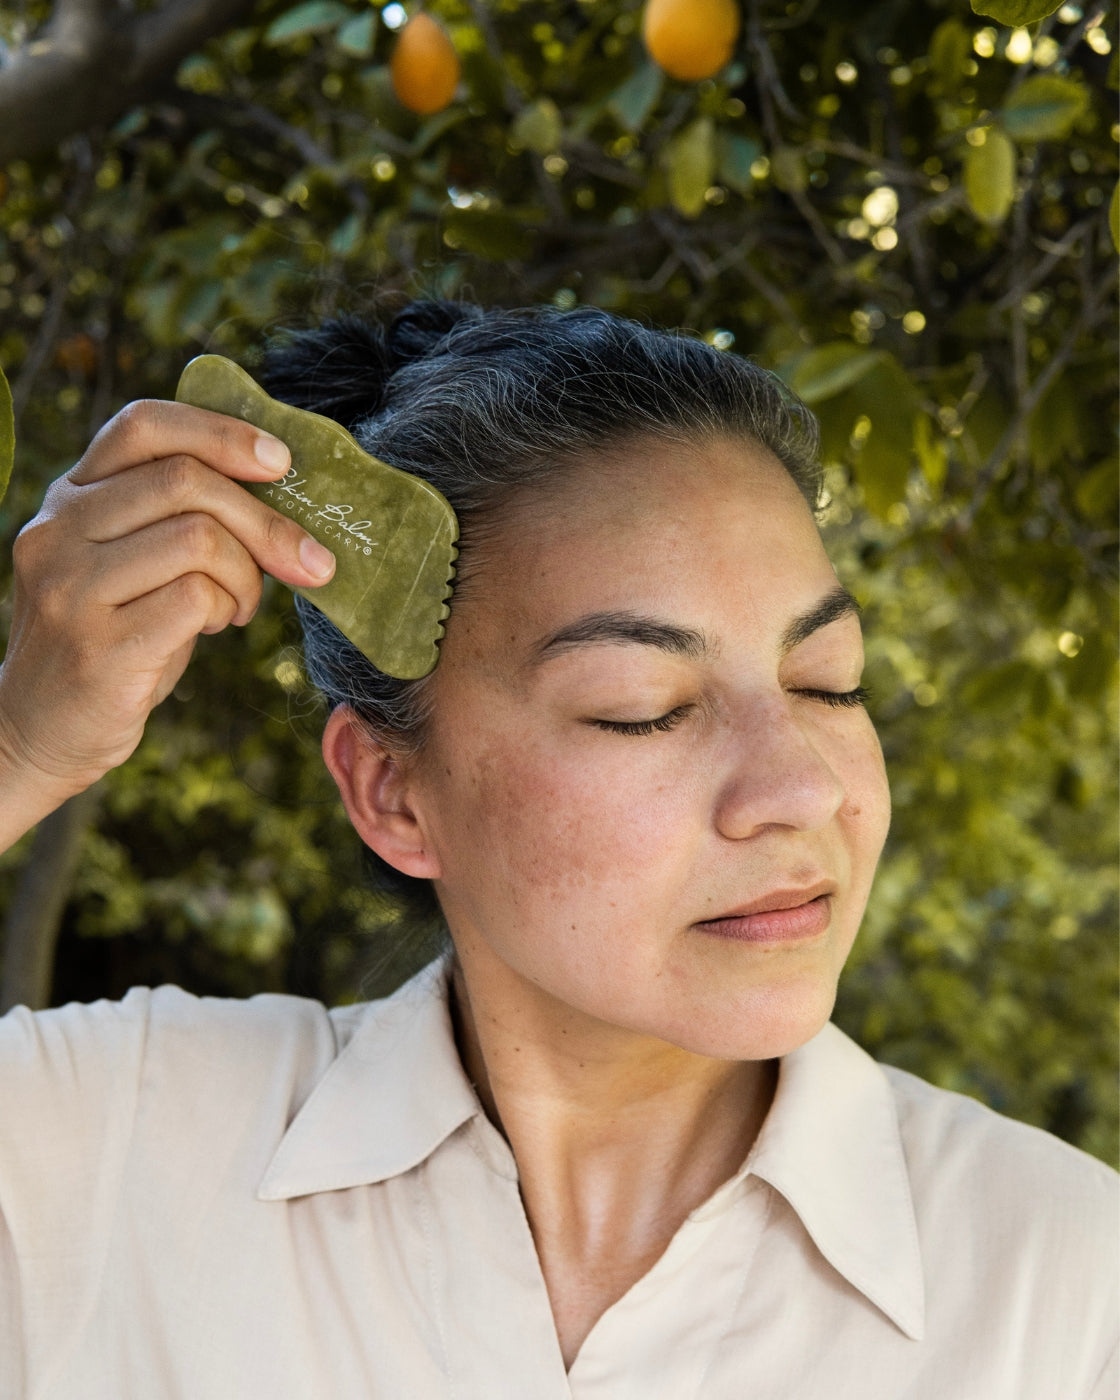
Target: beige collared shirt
(263,1200)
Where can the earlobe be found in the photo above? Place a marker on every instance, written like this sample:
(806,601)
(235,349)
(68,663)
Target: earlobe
(376,792)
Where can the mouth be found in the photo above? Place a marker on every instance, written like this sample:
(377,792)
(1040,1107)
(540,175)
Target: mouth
(782,916)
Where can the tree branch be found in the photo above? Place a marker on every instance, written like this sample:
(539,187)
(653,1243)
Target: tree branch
(81,184)
(206,109)
(514,105)
(1091,313)
(55,86)
(40,898)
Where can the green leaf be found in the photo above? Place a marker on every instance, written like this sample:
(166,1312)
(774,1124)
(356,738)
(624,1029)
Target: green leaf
(827,370)
(199,309)
(313,17)
(1056,427)
(257,291)
(735,155)
(432,129)
(788,169)
(989,177)
(538,126)
(931,452)
(356,36)
(1044,108)
(632,103)
(193,248)
(1096,493)
(1094,666)
(200,74)
(882,470)
(130,124)
(1114,216)
(690,163)
(155,305)
(490,233)
(1015,12)
(889,399)
(1003,686)
(7,434)
(346,236)
(950,48)
(380,101)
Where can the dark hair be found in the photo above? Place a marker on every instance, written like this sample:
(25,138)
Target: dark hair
(483,404)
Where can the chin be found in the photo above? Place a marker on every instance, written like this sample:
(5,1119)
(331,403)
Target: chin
(761,1025)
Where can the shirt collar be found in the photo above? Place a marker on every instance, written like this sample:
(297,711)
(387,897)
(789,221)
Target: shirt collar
(394,1092)
(830,1144)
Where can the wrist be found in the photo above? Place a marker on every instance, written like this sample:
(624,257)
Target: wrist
(28,792)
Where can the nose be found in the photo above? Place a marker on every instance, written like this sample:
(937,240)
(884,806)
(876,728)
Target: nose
(776,775)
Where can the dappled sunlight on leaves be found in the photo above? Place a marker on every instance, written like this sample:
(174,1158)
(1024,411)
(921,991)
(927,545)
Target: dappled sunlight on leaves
(903,212)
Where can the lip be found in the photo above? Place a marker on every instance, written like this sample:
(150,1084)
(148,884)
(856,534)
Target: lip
(781,916)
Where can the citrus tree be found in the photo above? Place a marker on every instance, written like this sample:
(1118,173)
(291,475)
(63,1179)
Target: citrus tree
(903,210)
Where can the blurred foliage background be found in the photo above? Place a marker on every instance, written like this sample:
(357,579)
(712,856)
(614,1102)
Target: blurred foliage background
(899,205)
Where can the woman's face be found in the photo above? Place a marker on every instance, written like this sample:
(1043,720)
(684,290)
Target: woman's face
(639,740)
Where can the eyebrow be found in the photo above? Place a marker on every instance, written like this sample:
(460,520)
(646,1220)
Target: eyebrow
(624,627)
(833,606)
(681,641)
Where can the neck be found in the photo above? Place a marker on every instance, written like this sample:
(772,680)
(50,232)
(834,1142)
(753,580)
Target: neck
(617,1136)
(544,1071)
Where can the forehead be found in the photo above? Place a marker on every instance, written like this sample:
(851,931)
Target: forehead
(710,536)
(654,480)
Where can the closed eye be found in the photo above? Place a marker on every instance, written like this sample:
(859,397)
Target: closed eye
(640,727)
(838,698)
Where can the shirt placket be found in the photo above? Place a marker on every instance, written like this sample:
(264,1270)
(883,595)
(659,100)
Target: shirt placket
(660,1338)
(493,1312)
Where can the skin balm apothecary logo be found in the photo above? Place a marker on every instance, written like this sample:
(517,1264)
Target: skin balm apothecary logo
(333,521)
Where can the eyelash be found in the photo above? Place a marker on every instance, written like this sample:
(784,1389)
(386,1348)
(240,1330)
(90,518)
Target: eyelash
(839,699)
(641,728)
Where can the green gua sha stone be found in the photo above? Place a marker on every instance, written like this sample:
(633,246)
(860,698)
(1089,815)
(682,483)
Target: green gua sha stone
(7,435)
(392,534)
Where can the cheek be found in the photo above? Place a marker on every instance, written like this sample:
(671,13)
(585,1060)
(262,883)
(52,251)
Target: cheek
(559,827)
(866,811)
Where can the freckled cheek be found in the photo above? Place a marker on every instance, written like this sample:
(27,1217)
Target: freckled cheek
(556,829)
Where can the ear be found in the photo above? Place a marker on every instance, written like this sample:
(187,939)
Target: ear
(375,790)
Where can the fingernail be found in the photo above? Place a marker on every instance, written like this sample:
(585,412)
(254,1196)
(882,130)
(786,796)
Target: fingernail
(272,453)
(315,558)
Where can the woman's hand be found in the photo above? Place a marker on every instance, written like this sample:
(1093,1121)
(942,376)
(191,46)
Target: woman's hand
(144,544)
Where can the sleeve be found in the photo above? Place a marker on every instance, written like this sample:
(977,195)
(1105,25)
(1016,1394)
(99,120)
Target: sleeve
(69,1085)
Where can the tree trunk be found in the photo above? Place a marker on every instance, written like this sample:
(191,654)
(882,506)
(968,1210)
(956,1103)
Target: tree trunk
(93,60)
(41,895)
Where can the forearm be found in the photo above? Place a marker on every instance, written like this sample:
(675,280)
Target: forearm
(27,794)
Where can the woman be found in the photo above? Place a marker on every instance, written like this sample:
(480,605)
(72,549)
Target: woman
(610,1144)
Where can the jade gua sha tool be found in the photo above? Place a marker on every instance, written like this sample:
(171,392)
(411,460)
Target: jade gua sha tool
(392,534)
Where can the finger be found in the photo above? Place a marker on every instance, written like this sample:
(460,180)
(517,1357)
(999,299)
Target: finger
(174,668)
(179,486)
(152,631)
(148,429)
(146,560)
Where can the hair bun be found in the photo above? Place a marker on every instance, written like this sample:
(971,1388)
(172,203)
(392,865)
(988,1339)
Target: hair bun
(338,369)
(341,367)
(419,328)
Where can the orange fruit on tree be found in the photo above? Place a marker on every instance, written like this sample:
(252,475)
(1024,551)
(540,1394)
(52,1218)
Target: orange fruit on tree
(691,39)
(424,67)
(77,353)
